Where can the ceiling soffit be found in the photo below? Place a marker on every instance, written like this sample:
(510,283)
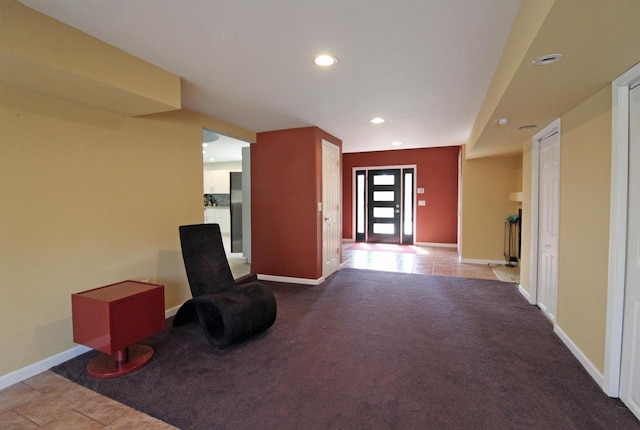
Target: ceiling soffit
(62,62)
(596,39)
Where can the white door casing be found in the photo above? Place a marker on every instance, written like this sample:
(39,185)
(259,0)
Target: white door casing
(630,363)
(362,222)
(618,229)
(331,192)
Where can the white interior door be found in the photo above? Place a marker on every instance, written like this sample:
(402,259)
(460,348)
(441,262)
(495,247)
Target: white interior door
(548,225)
(331,236)
(630,369)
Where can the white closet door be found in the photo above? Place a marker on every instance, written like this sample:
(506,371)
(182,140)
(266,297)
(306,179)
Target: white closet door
(549,225)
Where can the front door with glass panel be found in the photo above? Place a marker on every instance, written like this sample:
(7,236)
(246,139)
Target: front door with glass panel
(384,205)
(384,198)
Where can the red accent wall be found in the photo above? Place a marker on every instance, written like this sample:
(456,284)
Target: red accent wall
(286,186)
(437,172)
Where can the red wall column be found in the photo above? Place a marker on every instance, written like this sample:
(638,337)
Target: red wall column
(286,186)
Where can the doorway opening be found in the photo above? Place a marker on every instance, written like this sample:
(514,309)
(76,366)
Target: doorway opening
(226,190)
(385,205)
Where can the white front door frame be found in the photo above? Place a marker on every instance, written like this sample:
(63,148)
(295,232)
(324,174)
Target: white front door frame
(354,191)
(618,229)
(553,127)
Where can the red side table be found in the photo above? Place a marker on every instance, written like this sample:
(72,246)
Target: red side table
(112,318)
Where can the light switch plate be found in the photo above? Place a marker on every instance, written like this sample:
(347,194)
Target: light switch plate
(420,190)
(422,203)
(319,206)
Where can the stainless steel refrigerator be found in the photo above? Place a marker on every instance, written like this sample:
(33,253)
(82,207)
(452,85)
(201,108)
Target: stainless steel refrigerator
(235,180)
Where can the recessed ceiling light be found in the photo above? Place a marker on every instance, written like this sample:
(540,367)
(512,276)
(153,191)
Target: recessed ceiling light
(204,152)
(396,143)
(547,60)
(502,121)
(325,60)
(524,127)
(212,159)
(204,145)
(377,120)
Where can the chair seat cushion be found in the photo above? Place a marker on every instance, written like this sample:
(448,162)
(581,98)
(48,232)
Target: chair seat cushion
(231,316)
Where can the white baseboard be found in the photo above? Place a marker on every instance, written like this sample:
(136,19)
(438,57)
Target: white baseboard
(171,311)
(436,244)
(475,261)
(39,367)
(46,364)
(588,365)
(525,293)
(290,280)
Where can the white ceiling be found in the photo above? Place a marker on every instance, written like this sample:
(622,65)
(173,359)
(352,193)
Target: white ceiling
(218,148)
(423,65)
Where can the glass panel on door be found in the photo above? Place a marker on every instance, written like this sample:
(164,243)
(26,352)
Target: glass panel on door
(361,201)
(383,212)
(407,206)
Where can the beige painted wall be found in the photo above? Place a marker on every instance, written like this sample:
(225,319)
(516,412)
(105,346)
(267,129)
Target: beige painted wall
(486,184)
(84,206)
(585,172)
(585,185)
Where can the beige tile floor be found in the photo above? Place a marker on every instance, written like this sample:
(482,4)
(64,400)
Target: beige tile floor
(437,261)
(49,401)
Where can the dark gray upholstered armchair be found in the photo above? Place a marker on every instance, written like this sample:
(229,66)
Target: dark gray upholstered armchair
(228,313)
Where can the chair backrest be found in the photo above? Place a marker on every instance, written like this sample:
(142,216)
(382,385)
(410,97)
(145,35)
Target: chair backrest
(205,260)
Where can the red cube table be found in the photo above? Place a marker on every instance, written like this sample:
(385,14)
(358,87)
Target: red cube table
(111,319)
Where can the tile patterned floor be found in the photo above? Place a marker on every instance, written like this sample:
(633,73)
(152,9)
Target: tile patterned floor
(437,261)
(49,401)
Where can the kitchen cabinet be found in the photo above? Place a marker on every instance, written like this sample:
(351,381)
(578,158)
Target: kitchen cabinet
(219,215)
(216,181)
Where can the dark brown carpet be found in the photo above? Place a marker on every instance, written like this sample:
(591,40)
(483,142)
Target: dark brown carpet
(373,350)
